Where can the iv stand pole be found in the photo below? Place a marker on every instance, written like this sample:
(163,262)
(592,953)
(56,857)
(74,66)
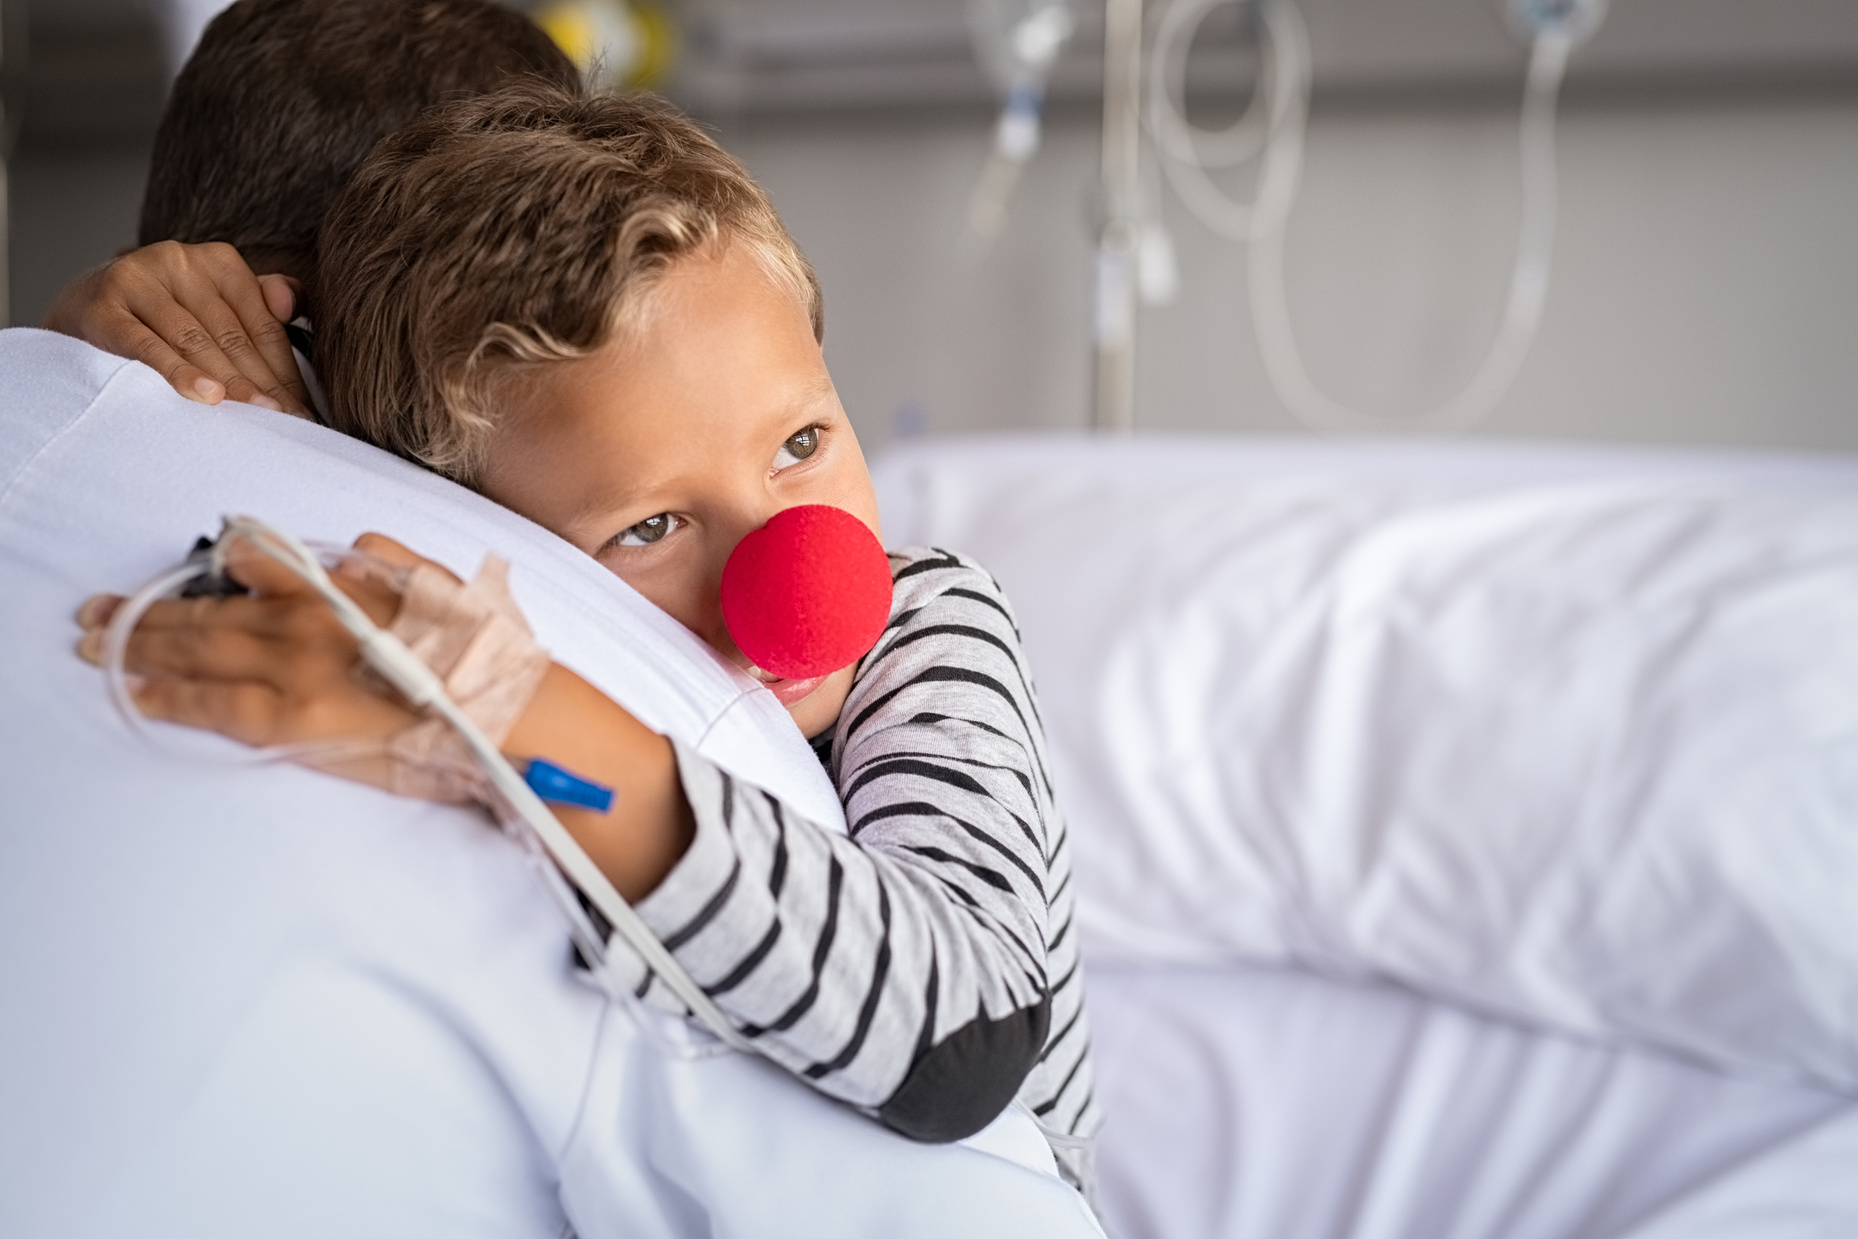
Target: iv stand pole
(1116,247)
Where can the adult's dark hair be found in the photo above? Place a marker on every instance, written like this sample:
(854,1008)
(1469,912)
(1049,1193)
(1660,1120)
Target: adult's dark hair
(283,99)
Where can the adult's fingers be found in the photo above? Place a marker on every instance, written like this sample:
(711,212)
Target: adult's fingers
(238,341)
(123,333)
(92,309)
(262,349)
(280,294)
(208,308)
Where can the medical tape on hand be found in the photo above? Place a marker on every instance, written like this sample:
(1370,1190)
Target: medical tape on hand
(476,641)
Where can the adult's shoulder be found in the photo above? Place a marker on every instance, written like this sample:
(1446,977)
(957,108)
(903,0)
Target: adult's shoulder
(48,382)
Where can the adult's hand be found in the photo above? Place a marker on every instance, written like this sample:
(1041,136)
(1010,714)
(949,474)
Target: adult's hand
(196,315)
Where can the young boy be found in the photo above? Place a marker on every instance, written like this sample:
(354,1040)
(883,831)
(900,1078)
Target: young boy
(272,114)
(590,313)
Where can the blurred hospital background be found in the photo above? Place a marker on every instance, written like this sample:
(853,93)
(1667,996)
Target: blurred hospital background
(1704,282)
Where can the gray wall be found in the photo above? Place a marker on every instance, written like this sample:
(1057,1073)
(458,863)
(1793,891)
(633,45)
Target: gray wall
(93,83)
(1705,290)
(72,209)
(1706,286)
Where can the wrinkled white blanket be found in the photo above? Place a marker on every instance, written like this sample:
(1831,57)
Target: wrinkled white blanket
(252,1000)
(1565,735)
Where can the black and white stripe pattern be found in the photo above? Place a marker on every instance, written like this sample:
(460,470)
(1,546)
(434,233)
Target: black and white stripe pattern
(924,968)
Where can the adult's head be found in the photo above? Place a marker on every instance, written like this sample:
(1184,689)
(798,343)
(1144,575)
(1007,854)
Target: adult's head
(283,99)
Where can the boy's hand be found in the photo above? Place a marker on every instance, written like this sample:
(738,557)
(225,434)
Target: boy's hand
(277,668)
(197,316)
(274,668)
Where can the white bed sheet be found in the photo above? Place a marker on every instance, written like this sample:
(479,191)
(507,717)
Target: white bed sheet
(1235,810)
(1269,1102)
(1568,735)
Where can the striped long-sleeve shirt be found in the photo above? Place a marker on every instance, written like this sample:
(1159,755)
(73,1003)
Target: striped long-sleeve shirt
(922,967)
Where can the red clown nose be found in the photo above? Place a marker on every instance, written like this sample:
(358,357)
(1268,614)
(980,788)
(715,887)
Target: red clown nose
(807,593)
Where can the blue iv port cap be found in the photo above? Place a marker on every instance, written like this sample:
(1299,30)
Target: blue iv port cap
(559,786)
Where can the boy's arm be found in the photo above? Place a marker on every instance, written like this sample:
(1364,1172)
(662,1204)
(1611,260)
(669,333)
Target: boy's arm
(649,828)
(196,315)
(923,967)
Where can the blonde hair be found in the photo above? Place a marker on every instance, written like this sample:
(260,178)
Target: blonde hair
(508,231)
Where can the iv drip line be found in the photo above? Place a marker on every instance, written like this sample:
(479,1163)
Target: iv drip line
(1283,92)
(1021,57)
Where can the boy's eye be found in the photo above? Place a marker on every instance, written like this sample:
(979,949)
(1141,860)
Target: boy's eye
(647,531)
(797,448)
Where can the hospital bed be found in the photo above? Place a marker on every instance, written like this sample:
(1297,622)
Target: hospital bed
(1465,834)
(1279,680)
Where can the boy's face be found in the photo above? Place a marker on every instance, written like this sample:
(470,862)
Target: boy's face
(657,454)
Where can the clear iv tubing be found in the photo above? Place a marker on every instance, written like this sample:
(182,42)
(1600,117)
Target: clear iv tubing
(1261,224)
(1187,151)
(116,676)
(1025,54)
(547,842)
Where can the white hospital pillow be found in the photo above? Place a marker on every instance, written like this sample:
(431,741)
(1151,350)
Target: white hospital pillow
(1570,736)
(255,1000)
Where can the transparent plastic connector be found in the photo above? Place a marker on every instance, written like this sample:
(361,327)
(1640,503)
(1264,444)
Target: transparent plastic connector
(1018,52)
(1573,20)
